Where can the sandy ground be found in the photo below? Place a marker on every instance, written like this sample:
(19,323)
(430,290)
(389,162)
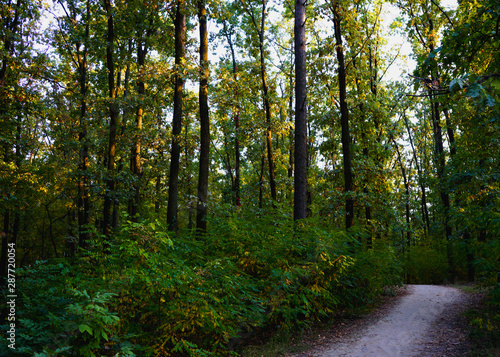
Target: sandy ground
(424,323)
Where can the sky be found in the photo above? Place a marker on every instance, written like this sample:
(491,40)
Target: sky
(403,65)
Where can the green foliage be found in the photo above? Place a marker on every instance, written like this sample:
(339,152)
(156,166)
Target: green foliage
(485,326)
(55,319)
(198,297)
(245,275)
(427,265)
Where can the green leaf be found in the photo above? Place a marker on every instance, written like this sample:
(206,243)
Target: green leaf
(84,327)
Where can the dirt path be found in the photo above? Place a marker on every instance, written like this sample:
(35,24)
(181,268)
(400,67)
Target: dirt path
(426,322)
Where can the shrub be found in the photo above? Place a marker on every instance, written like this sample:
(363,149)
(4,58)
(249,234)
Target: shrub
(54,319)
(426,265)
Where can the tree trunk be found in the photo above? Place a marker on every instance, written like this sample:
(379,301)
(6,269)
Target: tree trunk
(201,209)
(407,195)
(267,106)
(440,162)
(113,115)
(235,187)
(261,179)
(440,166)
(83,182)
(300,156)
(10,25)
(135,155)
(173,181)
(425,211)
(344,120)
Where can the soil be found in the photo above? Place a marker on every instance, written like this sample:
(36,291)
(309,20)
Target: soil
(424,321)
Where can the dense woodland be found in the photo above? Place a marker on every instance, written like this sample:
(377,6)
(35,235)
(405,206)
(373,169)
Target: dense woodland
(178,177)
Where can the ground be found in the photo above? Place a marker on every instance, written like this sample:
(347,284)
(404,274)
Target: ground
(424,321)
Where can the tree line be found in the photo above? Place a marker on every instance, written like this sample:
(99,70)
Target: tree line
(294,113)
(176,143)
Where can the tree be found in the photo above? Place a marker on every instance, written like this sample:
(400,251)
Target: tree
(201,217)
(180,50)
(344,119)
(77,28)
(19,64)
(300,160)
(235,183)
(259,28)
(113,118)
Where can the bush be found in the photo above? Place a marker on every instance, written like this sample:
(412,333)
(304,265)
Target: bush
(426,265)
(198,296)
(54,319)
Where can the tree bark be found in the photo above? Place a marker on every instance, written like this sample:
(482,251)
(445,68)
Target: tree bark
(425,211)
(261,178)
(201,209)
(235,187)
(440,167)
(407,194)
(135,155)
(113,116)
(344,120)
(173,181)
(440,163)
(300,153)
(267,107)
(83,182)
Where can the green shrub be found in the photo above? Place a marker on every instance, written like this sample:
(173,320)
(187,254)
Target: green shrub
(426,265)
(53,319)
(199,296)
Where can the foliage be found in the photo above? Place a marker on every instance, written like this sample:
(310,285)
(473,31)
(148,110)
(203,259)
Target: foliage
(55,319)
(197,297)
(485,326)
(425,200)
(427,265)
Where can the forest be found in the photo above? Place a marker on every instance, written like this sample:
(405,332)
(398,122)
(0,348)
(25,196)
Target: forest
(182,177)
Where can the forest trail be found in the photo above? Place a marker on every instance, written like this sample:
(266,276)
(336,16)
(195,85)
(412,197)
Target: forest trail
(423,323)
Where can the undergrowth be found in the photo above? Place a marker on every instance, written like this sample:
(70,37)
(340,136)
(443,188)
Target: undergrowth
(485,326)
(155,294)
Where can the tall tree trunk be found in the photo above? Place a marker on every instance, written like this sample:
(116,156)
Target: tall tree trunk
(267,107)
(439,150)
(425,211)
(83,182)
(260,29)
(261,179)
(236,186)
(201,209)
(300,156)
(469,250)
(11,26)
(344,120)
(373,65)
(440,166)
(451,133)
(236,183)
(113,116)
(188,184)
(135,155)
(291,133)
(173,181)
(265,94)
(366,152)
(407,194)
(440,162)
